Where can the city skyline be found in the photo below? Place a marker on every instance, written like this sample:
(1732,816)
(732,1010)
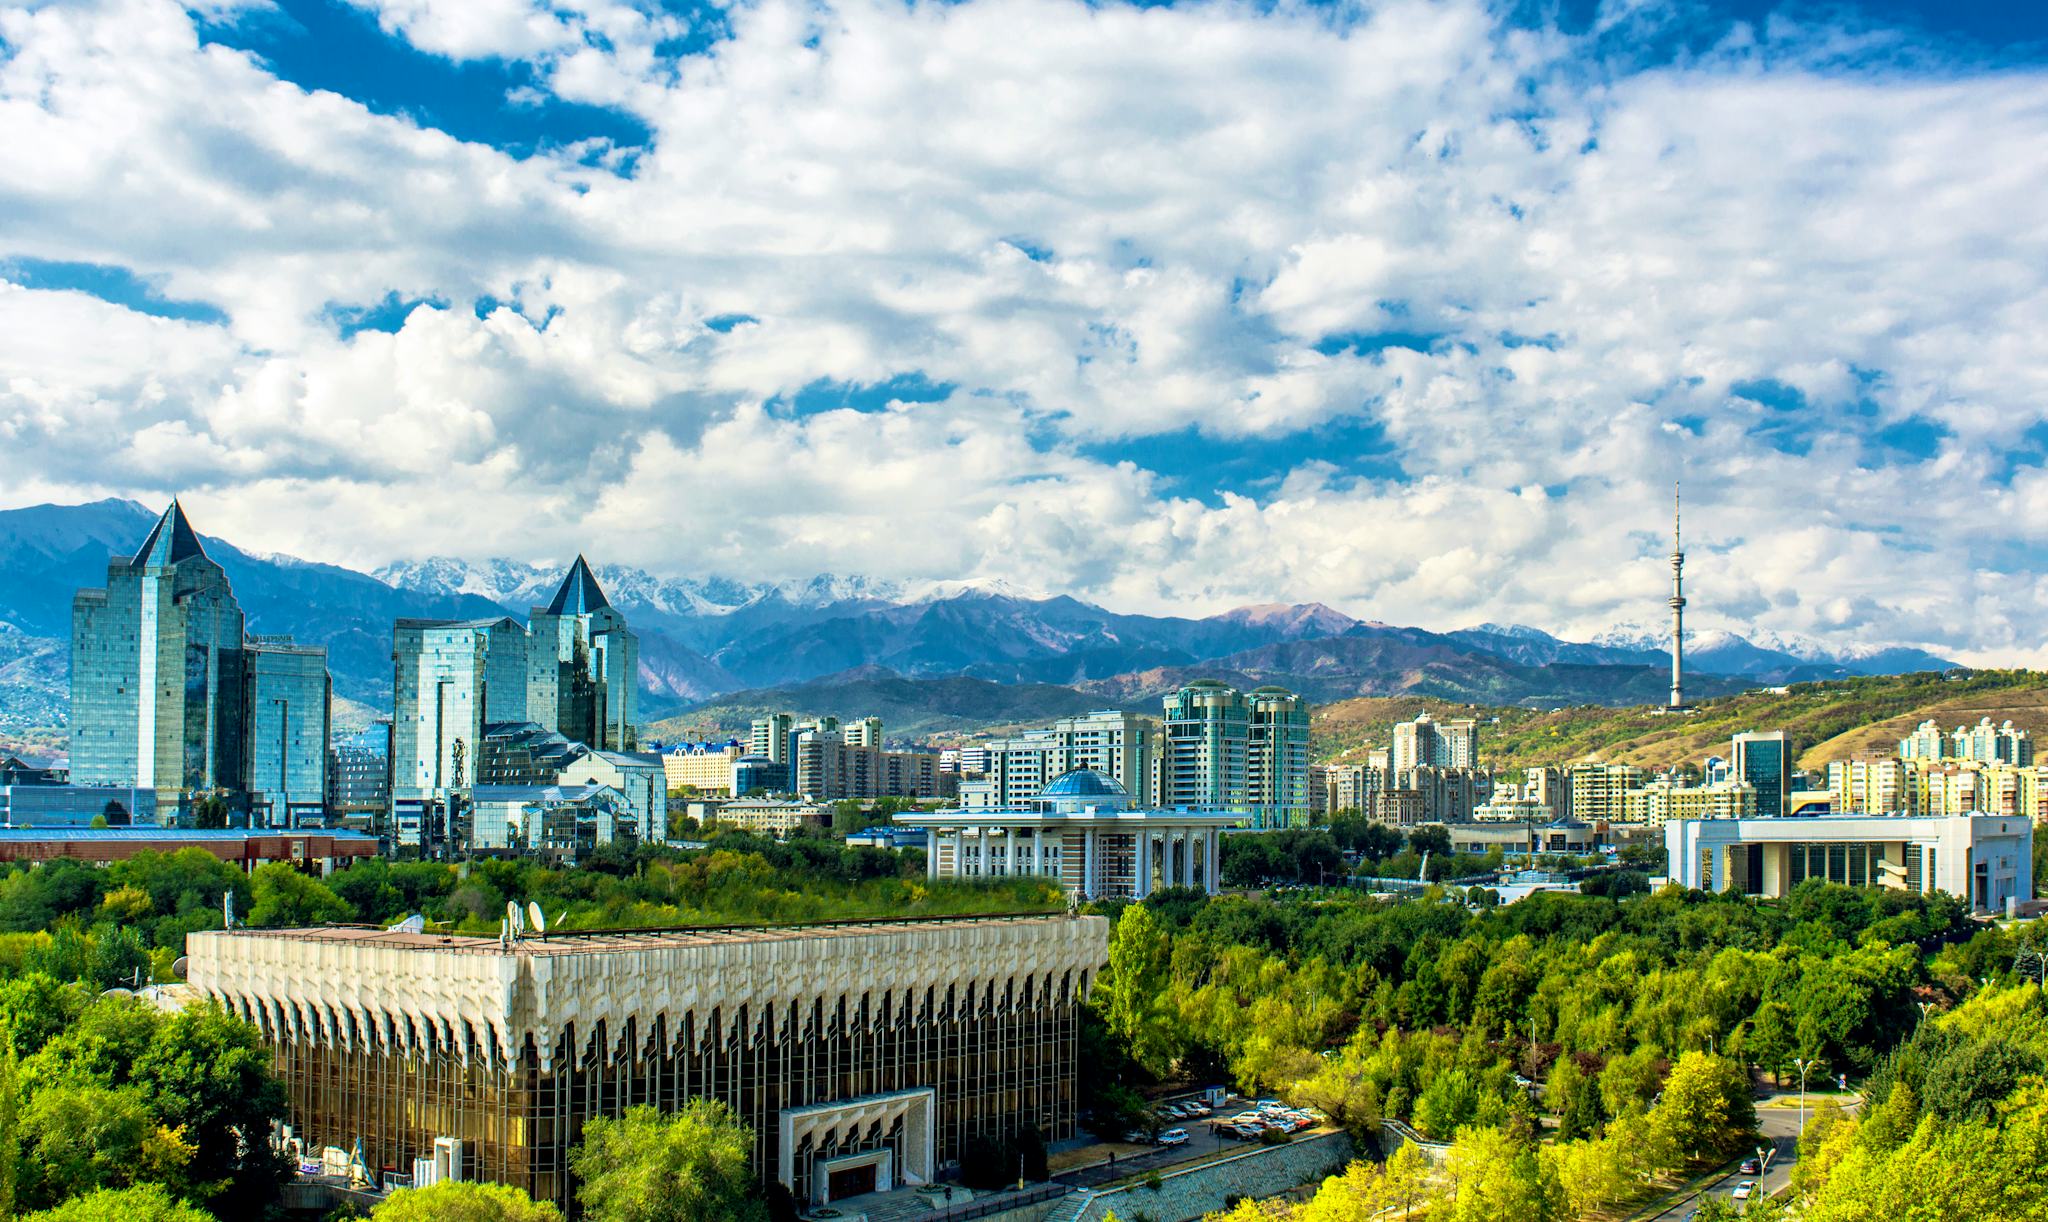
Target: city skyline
(1413,309)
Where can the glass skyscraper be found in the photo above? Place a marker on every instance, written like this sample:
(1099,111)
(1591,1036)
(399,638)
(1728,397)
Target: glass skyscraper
(156,671)
(289,717)
(583,666)
(163,695)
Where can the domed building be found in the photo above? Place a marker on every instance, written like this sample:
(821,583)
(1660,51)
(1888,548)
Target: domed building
(1085,829)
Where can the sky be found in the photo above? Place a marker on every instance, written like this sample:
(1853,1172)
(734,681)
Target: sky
(1417,309)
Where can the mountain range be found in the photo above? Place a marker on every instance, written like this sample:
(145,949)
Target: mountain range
(722,643)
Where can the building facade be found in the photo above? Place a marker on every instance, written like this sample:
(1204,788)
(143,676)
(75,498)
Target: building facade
(768,816)
(864,1056)
(1086,831)
(1276,759)
(1117,744)
(359,776)
(451,678)
(1984,860)
(708,769)
(1428,743)
(583,666)
(290,718)
(169,694)
(1208,739)
(1764,760)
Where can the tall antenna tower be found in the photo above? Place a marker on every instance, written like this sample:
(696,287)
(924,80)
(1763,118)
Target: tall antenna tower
(1677,604)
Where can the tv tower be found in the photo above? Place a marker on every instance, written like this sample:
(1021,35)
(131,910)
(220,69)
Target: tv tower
(1677,609)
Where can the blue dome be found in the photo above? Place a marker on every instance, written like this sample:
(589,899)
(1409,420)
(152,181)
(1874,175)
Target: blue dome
(1083,783)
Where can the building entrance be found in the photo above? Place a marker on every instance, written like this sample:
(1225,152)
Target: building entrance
(852,1182)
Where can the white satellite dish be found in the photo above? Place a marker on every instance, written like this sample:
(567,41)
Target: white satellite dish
(178,968)
(536,918)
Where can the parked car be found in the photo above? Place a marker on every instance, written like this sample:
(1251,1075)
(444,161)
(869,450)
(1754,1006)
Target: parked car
(1138,1137)
(1744,1189)
(1173,1137)
(1750,1166)
(1299,1123)
(1196,1109)
(1248,1128)
(1172,1111)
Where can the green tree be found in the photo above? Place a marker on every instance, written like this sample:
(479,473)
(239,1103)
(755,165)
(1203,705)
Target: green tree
(145,1203)
(651,1166)
(287,897)
(1134,989)
(463,1202)
(207,1074)
(1500,1180)
(1707,1108)
(1574,1098)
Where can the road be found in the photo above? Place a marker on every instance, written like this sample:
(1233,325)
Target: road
(1780,1127)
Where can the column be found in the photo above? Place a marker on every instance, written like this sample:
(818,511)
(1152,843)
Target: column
(1187,857)
(1038,850)
(1213,861)
(1141,881)
(1088,864)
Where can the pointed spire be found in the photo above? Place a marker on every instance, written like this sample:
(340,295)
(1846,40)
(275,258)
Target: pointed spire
(579,593)
(1675,505)
(173,540)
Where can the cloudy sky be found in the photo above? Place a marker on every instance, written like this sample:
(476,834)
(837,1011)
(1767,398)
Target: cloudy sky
(1417,309)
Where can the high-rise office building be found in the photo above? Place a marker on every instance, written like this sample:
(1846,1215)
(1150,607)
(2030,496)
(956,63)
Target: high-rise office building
(359,775)
(169,695)
(451,678)
(1428,743)
(156,672)
(290,704)
(1764,760)
(1276,759)
(1208,737)
(583,665)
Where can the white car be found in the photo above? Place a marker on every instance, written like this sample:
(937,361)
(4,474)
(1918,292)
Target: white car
(1744,1189)
(1173,1137)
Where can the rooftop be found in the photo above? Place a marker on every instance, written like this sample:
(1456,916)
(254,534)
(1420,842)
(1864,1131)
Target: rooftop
(579,593)
(170,542)
(1083,783)
(586,941)
(177,833)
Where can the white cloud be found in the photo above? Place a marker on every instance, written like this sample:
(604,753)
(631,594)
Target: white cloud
(1611,271)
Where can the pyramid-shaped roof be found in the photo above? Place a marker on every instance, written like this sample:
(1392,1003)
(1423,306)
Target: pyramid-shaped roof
(579,593)
(173,540)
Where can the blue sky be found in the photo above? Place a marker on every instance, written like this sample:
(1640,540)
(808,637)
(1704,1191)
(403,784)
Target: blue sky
(1415,307)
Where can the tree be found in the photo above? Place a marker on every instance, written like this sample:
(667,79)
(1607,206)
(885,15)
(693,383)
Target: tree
(146,1203)
(463,1202)
(286,897)
(1707,1106)
(1134,988)
(1500,1180)
(207,1074)
(1575,1099)
(651,1166)
(210,812)
(1594,1175)
(1628,1081)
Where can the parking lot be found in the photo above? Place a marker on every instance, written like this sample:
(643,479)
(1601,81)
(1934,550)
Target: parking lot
(1204,1141)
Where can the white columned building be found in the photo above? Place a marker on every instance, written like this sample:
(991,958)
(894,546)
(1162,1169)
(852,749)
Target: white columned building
(1084,829)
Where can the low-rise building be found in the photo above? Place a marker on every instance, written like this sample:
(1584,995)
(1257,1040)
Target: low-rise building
(1085,830)
(1984,859)
(707,769)
(566,821)
(768,816)
(638,777)
(42,805)
(321,850)
(1664,799)
(863,1056)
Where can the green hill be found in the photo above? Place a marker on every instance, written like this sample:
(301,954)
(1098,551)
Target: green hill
(909,708)
(1828,721)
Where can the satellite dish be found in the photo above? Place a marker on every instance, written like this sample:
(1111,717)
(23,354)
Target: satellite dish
(535,917)
(179,968)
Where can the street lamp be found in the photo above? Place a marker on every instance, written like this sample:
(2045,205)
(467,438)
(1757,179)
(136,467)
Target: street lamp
(1804,1065)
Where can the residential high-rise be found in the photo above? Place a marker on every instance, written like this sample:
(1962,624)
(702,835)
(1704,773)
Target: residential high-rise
(864,732)
(583,665)
(1208,735)
(1764,760)
(1598,791)
(1276,759)
(1992,744)
(1428,743)
(769,738)
(156,672)
(1116,744)
(289,712)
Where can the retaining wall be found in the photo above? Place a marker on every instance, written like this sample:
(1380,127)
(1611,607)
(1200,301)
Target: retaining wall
(1187,1194)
